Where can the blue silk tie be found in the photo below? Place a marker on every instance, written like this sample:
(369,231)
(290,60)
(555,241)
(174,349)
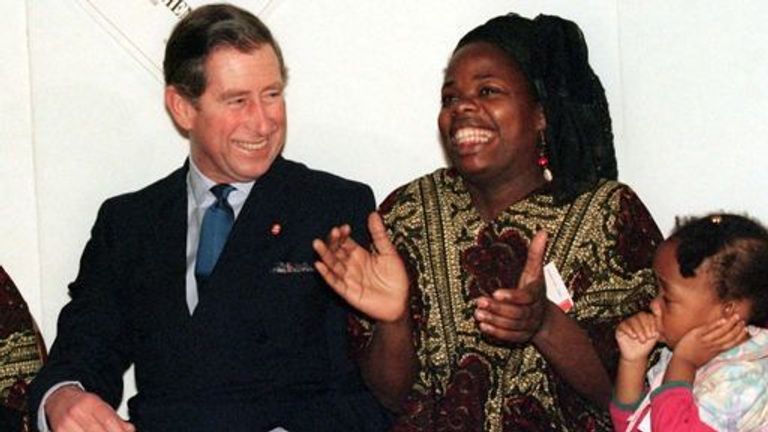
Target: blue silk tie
(217,222)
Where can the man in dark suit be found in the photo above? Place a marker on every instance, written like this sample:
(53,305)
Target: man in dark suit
(247,337)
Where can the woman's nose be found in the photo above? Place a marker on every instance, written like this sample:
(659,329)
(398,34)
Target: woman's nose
(464,104)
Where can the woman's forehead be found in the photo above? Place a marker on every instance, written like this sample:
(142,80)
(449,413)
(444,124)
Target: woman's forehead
(479,56)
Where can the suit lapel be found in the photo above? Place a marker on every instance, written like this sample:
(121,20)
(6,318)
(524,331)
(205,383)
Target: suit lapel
(170,229)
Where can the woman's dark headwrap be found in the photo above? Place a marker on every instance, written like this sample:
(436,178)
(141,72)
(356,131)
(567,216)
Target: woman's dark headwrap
(552,54)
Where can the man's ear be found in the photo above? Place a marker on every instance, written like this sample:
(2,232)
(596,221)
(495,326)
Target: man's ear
(180,107)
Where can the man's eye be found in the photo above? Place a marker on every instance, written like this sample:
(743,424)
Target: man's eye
(236,101)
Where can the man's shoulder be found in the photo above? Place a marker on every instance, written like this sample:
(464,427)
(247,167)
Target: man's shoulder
(314,180)
(172,185)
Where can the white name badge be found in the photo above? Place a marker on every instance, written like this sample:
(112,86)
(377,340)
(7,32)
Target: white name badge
(557,293)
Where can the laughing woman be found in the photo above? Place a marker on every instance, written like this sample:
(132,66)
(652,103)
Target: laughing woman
(525,124)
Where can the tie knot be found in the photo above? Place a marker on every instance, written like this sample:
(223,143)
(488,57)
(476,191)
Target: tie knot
(222,191)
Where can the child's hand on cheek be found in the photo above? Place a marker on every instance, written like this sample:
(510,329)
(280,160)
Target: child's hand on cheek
(636,336)
(702,344)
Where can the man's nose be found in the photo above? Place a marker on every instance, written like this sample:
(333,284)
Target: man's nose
(259,120)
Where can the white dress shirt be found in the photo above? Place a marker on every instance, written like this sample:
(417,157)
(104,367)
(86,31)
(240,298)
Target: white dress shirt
(199,198)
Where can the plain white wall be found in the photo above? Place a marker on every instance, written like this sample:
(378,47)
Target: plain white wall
(695,104)
(83,120)
(100,130)
(365,77)
(19,253)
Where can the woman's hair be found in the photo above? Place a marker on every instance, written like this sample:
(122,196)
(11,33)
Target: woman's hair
(202,31)
(737,249)
(552,54)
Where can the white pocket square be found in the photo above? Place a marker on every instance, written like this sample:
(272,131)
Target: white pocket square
(288,267)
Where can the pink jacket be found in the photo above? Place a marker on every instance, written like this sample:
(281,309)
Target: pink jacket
(672,409)
(729,394)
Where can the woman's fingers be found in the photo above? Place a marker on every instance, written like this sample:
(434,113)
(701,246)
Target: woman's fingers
(507,321)
(502,308)
(379,234)
(533,271)
(324,253)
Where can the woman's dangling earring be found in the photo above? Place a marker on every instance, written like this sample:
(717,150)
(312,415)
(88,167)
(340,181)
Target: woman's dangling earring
(543,159)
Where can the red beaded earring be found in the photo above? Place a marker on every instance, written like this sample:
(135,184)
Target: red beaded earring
(543,159)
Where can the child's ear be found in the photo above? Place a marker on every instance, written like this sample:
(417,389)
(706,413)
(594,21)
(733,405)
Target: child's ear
(739,307)
(728,308)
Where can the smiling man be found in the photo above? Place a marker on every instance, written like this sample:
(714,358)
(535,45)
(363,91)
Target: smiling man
(204,280)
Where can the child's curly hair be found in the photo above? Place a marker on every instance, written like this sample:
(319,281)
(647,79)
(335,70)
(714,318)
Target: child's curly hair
(737,247)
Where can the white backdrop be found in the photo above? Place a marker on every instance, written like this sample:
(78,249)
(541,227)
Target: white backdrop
(82,114)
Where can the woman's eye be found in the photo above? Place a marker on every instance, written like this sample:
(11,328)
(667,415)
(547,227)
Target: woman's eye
(487,91)
(448,100)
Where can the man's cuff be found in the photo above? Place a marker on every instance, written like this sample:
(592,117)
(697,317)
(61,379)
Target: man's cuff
(42,421)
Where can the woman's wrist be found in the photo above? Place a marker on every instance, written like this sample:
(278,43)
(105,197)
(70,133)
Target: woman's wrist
(547,325)
(402,322)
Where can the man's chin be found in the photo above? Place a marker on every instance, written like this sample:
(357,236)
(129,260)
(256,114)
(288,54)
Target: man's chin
(255,169)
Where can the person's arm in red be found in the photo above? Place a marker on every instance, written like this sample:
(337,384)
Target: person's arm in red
(674,409)
(620,414)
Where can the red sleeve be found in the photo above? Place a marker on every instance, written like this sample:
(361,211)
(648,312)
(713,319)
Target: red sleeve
(619,417)
(673,409)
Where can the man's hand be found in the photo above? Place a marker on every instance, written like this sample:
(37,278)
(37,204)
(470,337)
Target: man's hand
(70,409)
(516,315)
(375,283)
(636,336)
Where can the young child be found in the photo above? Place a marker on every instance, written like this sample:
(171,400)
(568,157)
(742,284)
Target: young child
(713,373)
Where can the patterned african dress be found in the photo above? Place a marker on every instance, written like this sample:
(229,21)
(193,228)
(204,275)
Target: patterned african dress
(22,353)
(602,244)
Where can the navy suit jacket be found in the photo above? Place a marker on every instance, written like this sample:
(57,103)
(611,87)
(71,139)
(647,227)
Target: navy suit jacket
(266,345)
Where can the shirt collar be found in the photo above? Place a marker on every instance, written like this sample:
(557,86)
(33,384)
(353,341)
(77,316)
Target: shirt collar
(201,185)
